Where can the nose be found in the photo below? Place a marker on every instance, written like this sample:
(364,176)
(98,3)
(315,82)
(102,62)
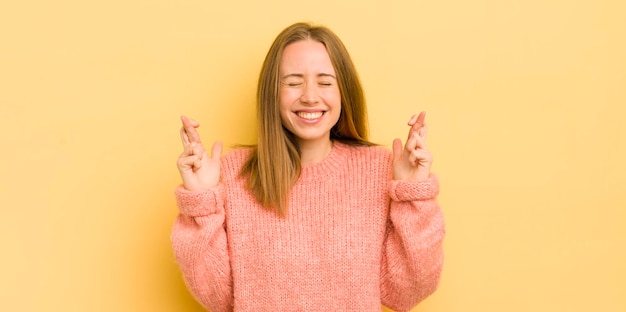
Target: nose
(309,94)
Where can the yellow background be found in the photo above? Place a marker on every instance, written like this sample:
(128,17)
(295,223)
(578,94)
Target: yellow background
(525,103)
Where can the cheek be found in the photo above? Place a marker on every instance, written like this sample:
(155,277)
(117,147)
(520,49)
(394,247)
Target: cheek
(284,114)
(284,107)
(283,100)
(288,95)
(332,97)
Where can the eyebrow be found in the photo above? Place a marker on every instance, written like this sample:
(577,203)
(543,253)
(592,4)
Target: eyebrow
(318,75)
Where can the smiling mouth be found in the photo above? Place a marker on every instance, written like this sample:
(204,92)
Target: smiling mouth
(310,115)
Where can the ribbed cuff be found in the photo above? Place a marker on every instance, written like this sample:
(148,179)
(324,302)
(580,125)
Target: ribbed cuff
(402,190)
(197,204)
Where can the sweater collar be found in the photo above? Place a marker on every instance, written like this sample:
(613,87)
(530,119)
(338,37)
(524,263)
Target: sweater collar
(330,164)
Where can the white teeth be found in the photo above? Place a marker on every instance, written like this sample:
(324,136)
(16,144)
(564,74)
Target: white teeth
(310,116)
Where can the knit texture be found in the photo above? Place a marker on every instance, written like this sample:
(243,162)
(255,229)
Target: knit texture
(353,239)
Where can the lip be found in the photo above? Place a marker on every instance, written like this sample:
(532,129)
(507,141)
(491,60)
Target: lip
(309,111)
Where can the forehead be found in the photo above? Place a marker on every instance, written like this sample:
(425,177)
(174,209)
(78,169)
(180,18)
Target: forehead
(306,56)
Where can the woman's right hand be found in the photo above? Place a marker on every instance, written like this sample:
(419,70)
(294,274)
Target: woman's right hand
(199,171)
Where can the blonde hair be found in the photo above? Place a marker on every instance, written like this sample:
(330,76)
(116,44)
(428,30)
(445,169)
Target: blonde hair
(274,165)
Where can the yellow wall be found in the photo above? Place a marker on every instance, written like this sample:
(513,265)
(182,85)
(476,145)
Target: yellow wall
(525,104)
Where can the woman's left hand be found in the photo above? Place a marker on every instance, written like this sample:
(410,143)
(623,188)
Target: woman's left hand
(414,160)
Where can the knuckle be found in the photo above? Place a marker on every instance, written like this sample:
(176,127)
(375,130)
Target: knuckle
(181,163)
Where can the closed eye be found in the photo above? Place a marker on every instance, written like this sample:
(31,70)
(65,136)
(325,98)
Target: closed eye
(293,80)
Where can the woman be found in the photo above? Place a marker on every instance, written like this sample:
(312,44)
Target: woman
(314,217)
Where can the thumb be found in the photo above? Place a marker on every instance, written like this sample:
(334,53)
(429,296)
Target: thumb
(397,149)
(216,151)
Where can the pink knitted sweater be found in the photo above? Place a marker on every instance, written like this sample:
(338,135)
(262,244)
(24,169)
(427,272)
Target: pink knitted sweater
(353,239)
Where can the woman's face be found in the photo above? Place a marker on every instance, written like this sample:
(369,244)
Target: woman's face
(310,101)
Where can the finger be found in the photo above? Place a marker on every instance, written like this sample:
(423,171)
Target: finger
(187,151)
(192,157)
(184,137)
(423,131)
(190,126)
(191,162)
(197,164)
(419,142)
(420,157)
(415,142)
(410,124)
(421,118)
(417,119)
(412,120)
(410,147)
(417,122)
(198,149)
(186,162)
(188,121)
(193,122)
(200,153)
(397,149)
(216,151)
(194,148)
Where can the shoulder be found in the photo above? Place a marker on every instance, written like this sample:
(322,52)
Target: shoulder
(373,154)
(371,162)
(233,161)
(237,154)
(365,150)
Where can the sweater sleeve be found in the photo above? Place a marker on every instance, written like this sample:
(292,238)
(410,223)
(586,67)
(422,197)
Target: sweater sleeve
(412,252)
(200,247)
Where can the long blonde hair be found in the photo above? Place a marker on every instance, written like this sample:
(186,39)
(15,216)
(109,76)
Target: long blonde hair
(274,165)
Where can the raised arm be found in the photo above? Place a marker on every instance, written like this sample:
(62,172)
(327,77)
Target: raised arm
(412,252)
(198,237)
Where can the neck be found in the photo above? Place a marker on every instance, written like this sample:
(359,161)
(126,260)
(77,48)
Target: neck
(313,152)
